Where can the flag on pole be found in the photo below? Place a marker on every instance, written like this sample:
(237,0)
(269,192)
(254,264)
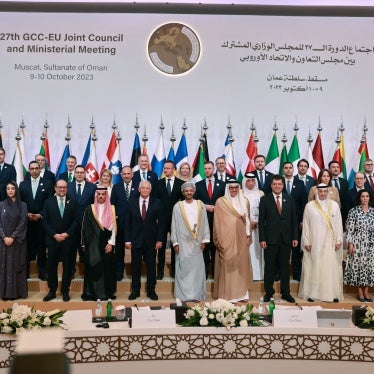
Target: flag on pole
(90,162)
(182,153)
(248,163)
(61,168)
(44,150)
(339,156)
(198,164)
(19,156)
(283,159)
(159,158)
(359,158)
(272,158)
(171,155)
(229,157)
(136,152)
(113,159)
(294,152)
(318,162)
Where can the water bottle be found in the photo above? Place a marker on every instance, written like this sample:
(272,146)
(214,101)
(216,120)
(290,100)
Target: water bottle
(99,308)
(261,307)
(271,306)
(109,309)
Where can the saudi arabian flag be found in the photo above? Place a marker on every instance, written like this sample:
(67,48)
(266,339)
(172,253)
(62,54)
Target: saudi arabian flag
(272,158)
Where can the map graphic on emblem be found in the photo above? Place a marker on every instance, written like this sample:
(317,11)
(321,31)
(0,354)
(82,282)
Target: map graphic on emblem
(174,48)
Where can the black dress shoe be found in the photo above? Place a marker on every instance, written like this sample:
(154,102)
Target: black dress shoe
(42,277)
(267,297)
(119,277)
(113,297)
(336,300)
(160,276)
(65,297)
(368,299)
(310,300)
(152,295)
(288,298)
(50,296)
(133,295)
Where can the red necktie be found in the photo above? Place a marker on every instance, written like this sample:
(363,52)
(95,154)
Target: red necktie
(144,210)
(371,181)
(210,189)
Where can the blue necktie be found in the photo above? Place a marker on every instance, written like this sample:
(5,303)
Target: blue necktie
(289,187)
(261,179)
(79,193)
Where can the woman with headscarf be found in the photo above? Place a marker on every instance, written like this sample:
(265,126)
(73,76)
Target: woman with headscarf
(256,253)
(321,242)
(13,250)
(232,236)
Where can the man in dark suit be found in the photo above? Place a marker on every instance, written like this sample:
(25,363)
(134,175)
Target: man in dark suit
(297,190)
(168,192)
(45,173)
(208,191)
(341,184)
(263,176)
(145,174)
(143,235)
(221,173)
(68,175)
(351,197)
(368,168)
(7,173)
(34,191)
(121,193)
(84,194)
(302,169)
(60,223)
(277,234)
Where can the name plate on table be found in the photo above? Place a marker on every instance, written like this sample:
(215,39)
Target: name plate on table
(147,318)
(295,318)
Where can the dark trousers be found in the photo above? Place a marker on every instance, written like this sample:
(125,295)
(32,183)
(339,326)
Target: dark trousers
(296,259)
(149,256)
(209,253)
(161,257)
(120,253)
(277,254)
(36,245)
(56,254)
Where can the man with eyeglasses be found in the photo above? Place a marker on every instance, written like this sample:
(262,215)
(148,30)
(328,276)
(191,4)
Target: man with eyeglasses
(7,173)
(221,170)
(34,191)
(60,224)
(369,182)
(351,197)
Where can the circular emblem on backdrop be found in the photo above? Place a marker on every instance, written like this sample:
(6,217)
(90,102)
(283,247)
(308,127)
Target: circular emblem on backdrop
(174,48)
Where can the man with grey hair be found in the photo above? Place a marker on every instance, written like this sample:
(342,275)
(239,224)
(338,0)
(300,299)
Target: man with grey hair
(189,235)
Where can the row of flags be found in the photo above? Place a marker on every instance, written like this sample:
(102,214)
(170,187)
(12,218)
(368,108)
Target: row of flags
(274,158)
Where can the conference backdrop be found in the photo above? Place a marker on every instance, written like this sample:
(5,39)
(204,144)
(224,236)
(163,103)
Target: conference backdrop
(213,69)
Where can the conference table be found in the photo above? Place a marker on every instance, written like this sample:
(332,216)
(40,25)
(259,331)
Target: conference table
(196,349)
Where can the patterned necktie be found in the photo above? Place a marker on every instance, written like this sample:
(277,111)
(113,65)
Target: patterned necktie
(127,191)
(144,176)
(221,177)
(79,193)
(279,205)
(289,187)
(70,177)
(168,186)
(210,189)
(144,210)
(61,206)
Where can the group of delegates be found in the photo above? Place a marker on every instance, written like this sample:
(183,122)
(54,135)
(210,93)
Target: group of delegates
(235,233)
